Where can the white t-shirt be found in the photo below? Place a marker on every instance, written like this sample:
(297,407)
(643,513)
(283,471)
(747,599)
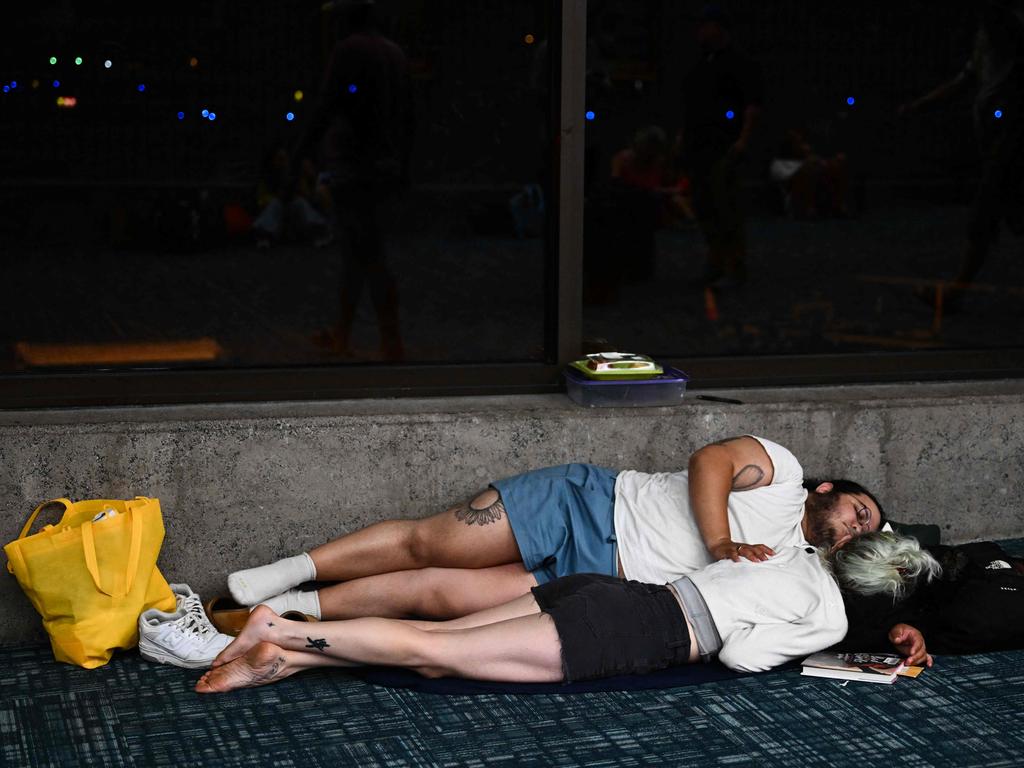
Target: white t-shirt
(658,538)
(772,612)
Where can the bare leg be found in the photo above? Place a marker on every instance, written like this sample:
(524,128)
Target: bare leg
(524,605)
(474,534)
(525,648)
(262,619)
(435,593)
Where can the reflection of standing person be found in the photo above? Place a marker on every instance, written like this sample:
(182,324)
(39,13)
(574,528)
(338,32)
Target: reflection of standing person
(722,102)
(996,72)
(365,110)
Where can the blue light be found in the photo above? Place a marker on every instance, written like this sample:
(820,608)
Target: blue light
(590,114)
(142,87)
(14,84)
(181,115)
(352,88)
(206,113)
(7,88)
(289,116)
(729,114)
(56,83)
(850,100)
(998,114)
(213,115)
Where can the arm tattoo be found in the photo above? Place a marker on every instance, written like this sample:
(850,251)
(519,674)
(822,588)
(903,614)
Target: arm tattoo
(747,478)
(470,515)
(320,643)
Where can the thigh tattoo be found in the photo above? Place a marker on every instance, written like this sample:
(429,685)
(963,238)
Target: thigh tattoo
(473,515)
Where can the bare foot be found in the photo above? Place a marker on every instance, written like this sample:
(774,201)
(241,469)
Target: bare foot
(261,619)
(264,663)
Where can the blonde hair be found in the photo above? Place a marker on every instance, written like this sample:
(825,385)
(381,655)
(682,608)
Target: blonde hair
(883,563)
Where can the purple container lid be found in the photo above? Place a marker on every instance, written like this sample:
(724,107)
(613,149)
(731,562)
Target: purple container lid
(669,375)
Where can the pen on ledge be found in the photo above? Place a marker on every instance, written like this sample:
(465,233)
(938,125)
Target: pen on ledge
(714,399)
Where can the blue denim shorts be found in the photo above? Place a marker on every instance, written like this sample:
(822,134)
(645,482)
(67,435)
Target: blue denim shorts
(609,626)
(563,519)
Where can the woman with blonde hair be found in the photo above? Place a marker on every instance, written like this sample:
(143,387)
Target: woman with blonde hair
(752,616)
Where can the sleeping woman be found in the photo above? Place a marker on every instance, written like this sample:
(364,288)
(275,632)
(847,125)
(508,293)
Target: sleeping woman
(752,616)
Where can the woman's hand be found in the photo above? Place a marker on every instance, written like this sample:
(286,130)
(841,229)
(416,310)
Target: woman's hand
(909,642)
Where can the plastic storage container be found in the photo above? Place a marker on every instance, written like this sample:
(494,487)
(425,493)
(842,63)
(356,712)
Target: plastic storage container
(665,389)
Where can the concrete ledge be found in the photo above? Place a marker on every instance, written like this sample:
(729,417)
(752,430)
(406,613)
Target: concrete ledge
(243,484)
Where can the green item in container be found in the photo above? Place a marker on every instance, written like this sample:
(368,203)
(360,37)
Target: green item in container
(617,365)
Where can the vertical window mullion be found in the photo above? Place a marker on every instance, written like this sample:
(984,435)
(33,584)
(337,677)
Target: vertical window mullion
(571,106)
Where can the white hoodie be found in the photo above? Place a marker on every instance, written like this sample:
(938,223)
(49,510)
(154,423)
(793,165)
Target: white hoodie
(771,612)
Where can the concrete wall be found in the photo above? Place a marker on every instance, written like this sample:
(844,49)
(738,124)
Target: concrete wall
(243,484)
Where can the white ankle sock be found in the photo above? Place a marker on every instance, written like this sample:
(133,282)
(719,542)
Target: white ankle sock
(255,585)
(295,600)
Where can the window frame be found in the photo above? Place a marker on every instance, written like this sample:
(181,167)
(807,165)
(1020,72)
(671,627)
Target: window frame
(563,312)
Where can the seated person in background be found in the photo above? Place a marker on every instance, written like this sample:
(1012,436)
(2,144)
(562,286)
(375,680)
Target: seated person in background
(812,186)
(647,164)
(284,202)
(752,615)
(641,198)
(739,498)
(977,606)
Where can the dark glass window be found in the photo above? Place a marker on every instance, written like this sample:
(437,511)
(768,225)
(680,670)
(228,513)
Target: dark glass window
(237,185)
(784,179)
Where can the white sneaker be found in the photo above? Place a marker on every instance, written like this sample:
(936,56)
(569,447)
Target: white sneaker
(179,638)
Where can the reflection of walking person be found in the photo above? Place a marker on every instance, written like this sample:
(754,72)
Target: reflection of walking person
(365,111)
(995,71)
(722,99)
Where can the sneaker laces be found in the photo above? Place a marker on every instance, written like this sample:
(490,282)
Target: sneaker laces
(190,622)
(195,619)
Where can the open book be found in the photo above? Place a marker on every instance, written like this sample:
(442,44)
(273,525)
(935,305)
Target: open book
(868,667)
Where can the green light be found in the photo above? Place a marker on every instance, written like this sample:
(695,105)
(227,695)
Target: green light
(53,59)
(78,61)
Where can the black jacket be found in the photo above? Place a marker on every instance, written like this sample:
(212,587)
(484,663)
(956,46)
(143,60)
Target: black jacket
(976,606)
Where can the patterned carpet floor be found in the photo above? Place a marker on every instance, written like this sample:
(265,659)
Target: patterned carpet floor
(966,711)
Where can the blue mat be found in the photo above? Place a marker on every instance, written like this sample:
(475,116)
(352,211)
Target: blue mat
(672,677)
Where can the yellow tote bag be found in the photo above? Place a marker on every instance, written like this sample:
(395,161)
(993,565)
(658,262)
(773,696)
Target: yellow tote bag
(91,580)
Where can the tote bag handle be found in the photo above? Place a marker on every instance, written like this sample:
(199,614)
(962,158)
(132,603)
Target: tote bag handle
(32,518)
(35,514)
(89,548)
